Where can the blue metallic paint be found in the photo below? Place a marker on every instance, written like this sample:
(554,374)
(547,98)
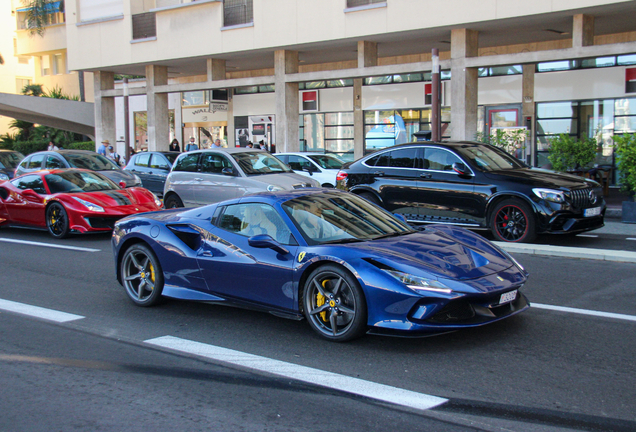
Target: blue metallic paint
(224,267)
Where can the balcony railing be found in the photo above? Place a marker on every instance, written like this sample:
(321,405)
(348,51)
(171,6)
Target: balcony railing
(144,25)
(357,3)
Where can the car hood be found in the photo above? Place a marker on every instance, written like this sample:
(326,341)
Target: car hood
(8,171)
(440,251)
(120,175)
(286,181)
(115,198)
(537,177)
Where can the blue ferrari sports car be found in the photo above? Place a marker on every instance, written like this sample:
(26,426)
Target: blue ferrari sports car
(344,264)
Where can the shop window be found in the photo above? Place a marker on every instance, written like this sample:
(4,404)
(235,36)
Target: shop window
(598,62)
(45,65)
(407,78)
(557,65)
(628,59)
(237,12)
(358,3)
(195,98)
(340,83)
(378,80)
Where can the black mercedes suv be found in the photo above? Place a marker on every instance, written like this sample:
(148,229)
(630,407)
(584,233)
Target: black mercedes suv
(477,186)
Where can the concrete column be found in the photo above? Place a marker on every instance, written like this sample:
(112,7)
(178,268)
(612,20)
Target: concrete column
(216,69)
(464,43)
(158,116)
(582,31)
(287,110)
(527,108)
(105,125)
(367,57)
(231,129)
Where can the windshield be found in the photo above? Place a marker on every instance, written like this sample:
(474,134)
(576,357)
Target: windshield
(257,163)
(341,218)
(327,162)
(10,159)
(95,162)
(78,181)
(489,158)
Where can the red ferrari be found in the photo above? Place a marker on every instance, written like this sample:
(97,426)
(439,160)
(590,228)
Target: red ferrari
(68,201)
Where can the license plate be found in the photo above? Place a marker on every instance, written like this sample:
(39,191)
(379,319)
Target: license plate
(508,297)
(592,212)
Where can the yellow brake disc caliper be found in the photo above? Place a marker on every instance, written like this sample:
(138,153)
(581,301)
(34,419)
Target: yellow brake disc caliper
(152,274)
(320,300)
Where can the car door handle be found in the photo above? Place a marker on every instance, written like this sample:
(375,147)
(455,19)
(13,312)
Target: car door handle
(150,172)
(426,175)
(198,179)
(378,173)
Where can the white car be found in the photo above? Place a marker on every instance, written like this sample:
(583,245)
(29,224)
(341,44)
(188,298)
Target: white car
(319,166)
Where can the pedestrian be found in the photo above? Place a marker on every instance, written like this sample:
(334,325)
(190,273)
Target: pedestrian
(52,147)
(217,144)
(102,149)
(174,146)
(191,145)
(250,144)
(112,154)
(262,145)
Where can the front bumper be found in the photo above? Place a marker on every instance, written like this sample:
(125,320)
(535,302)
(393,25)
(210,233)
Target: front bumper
(565,219)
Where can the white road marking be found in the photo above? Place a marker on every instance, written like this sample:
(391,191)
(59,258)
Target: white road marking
(630,238)
(51,245)
(585,312)
(587,235)
(38,312)
(302,373)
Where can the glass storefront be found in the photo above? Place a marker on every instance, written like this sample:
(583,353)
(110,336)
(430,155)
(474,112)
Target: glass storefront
(327,133)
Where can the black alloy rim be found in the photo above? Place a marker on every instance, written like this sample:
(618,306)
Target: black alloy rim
(56,220)
(139,275)
(511,223)
(331,304)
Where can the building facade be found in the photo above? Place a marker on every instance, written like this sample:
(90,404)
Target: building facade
(351,76)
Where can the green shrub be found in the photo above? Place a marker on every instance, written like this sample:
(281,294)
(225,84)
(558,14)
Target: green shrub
(28,147)
(568,154)
(625,150)
(81,145)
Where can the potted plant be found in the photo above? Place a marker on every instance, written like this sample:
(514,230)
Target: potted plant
(510,140)
(567,154)
(625,150)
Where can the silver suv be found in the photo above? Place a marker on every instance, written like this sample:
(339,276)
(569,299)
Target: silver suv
(208,176)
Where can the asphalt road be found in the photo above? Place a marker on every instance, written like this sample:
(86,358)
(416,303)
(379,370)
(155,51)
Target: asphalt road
(543,370)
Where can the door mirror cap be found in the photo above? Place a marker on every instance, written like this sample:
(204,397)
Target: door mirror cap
(227,171)
(122,184)
(262,241)
(400,216)
(461,169)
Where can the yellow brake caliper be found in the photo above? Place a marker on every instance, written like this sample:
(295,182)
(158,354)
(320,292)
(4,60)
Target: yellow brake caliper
(320,300)
(152,274)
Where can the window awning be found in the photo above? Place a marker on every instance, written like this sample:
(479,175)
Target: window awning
(52,7)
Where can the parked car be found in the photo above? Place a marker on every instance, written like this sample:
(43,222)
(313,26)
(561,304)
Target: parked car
(475,185)
(152,168)
(345,265)
(319,166)
(65,201)
(82,159)
(9,160)
(208,176)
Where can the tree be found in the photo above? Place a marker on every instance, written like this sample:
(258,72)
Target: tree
(39,14)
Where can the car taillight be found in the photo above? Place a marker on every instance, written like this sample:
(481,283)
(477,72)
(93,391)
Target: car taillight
(341,176)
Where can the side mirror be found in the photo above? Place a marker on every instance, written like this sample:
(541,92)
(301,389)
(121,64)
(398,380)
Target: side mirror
(227,171)
(122,184)
(263,241)
(309,170)
(400,216)
(461,169)
(30,193)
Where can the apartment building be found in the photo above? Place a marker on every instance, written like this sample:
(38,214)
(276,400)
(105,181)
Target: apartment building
(350,76)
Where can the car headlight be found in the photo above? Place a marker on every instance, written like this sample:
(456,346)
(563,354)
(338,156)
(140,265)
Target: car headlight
(158,202)
(550,195)
(3,176)
(274,188)
(89,205)
(417,283)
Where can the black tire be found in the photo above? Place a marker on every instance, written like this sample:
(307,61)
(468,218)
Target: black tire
(371,198)
(173,201)
(141,275)
(334,304)
(512,220)
(57,220)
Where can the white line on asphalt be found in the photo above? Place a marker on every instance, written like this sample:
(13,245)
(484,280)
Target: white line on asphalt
(38,312)
(587,235)
(51,245)
(585,312)
(302,373)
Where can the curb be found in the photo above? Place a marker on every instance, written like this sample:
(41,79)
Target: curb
(570,252)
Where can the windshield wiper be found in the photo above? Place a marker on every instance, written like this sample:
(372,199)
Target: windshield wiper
(394,234)
(344,240)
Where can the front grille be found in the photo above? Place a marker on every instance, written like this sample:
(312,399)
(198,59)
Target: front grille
(580,198)
(102,222)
